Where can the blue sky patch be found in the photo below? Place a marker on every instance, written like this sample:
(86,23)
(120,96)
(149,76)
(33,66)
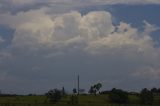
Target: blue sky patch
(7,34)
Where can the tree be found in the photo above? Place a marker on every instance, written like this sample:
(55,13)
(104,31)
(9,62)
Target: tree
(98,87)
(158,90)
(63,91)
(95,88)
(154,90)
(146,96)
(118,96)
(74,90)
(92,90)
(54,95)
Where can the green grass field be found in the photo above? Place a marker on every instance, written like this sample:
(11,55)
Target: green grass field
(84,100)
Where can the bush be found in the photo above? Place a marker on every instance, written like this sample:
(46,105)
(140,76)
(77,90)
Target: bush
(54,95)
(118,96)
(146,96)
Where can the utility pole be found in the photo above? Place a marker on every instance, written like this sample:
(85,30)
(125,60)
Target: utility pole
(78,85)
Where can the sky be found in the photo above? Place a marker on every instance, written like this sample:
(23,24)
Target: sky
(47,44)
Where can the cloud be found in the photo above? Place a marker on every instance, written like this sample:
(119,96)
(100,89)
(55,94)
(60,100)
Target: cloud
(4,57)
(60,6)
(112,2)
(22,2)
(149,28)
(40,28)
(1,40)
(36,29)
(47,45)
(17,2)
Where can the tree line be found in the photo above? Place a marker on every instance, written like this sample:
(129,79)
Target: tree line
(115,95)
(119,96)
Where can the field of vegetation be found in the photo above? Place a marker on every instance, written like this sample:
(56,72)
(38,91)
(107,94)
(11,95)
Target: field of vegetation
(114,97)
(83,100)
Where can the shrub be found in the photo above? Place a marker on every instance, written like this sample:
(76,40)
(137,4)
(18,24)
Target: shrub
(118,96)
(54,95)
(146,96)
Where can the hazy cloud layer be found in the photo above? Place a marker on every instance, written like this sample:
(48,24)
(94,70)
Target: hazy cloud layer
(49,50)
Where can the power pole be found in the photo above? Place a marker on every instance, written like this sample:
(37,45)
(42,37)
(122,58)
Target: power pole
(78,85)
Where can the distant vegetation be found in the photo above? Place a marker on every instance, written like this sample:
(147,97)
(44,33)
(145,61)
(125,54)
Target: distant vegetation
(95,88)
(93,98)
(118,96)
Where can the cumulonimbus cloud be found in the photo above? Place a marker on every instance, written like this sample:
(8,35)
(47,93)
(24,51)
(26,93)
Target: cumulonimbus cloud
(93,33)
(40,35)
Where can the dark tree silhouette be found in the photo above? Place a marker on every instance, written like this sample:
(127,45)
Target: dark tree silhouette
(63,91)
(98,87)
(54,95)
(118,96)
(154,90)
(74,90)
(146,96)
(92,90)
(95,88)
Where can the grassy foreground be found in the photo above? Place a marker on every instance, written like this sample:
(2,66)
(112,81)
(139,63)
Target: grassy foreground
(84,100)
